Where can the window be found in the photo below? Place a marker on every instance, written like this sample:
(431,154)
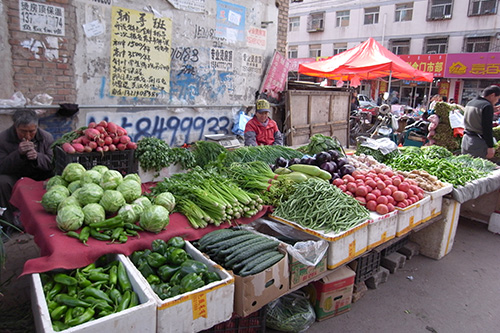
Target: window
(314,50)
(342,18)
(477,44)
(440,9)
(293,52)
(400,46)
(404,12)
(293,23)
(315,22)
(436,45)
(339,48)
(297,0)
(371,15)
(482,7)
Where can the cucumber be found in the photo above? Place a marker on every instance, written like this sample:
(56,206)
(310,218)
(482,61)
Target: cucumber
(311,170)
(240,246)
(230,242)
(258,257)
(219,237)
(264,264)
(259,248)
(207,238)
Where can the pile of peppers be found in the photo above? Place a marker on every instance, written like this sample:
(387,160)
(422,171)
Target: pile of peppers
(78,296)
(170,270)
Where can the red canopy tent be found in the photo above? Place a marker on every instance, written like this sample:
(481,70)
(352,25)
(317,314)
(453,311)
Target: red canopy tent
(367,61)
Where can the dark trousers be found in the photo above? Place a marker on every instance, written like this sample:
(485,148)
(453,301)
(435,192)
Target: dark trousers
(7,183)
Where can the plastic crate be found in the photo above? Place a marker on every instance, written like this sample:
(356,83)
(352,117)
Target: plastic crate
(366,265)
(120,160)
(253,323)
(395,246)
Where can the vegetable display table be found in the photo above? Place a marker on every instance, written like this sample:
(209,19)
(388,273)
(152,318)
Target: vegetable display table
(60,251)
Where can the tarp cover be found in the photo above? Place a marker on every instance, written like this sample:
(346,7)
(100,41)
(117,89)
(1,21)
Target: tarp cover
(476,188)
(367,61)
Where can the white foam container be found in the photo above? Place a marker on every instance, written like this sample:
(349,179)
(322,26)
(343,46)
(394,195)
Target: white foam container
(140,318)
(381,228)
(197,310)
(342,247)
(434,206)
(411,216)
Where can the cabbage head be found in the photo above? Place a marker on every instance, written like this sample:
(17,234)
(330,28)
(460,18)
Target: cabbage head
(112,201)
(60,188)
(91,176)
(71,200)
(138,209)
(143,202)
(130,189)
(90,193)
(128,214)
(165,199)
(133,176)
(73,186)
(52,199)
(72,172)
(70,218)
(93,212)
(56,180)
(154,218)
(111,179)
(100,168)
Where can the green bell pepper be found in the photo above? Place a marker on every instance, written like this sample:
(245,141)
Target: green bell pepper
(174,291)
(159,246)
(210,277)
(162,290)
(176,278)
(156,259)
(165,272)
(153,279)
(136,256)
(177,242)
(193,266)
(145,269)
(177,257)
(191,282)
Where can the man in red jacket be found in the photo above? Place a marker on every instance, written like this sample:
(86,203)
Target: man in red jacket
(261,130)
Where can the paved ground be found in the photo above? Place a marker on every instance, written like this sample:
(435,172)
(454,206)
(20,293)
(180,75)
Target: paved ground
(459,293)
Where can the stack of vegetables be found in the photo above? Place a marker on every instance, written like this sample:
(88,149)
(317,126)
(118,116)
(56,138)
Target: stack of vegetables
(155,154)
(444,136)
(104,204)
(170,270)
(78,296)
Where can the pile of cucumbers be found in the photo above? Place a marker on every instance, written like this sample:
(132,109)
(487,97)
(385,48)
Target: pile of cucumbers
(242,251)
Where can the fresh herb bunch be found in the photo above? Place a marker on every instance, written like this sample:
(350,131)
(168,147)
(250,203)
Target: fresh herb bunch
(267,154)
(153,154)
(206,152)
(320,142)
(182,156)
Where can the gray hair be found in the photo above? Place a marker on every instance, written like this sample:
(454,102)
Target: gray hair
(24,117)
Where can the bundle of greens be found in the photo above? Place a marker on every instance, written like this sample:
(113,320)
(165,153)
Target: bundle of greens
(155,154)
(206,152)
(267,154)
(319,142)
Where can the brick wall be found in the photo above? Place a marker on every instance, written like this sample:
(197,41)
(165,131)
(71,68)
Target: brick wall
(41,65)
(283,6)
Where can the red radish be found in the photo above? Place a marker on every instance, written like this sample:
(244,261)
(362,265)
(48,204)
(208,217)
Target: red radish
(380,185)
(401,204)
(112,147)
(92,144)
(392,188)
(420,196)
(371,205)
(112,135)
(410,192)
(78,147)
(77,140)
(112,127)
(399,196)
(389,173)
(361,200)
(387,182)
(125,139)
(121,131)
(105,148)
(121,146)
(100,142)
(68,148)
(108,140)
(103,123)
(92,133)
(382,209)
(390,206)
(84,140)
(92,124)
(386,191)
(396,181)
(131,145)
(101,129)
(87,149)
(99,149)
(116,140)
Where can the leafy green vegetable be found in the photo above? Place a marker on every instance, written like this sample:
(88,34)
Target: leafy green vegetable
(205,152)
(319,142)
(112,201)
(90,193)
(165,199)
(56,180)
(91,176)
(72,172)
(266,154)
(128,213)
(51,200)
(93,213)
(130,189)
(111,179)
(154,218)
(70,218)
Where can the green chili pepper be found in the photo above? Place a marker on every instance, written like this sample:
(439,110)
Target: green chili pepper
(84,235)
(68,315)
(89,267)
(72,290)
(52,305)
(113,275)
(59,326)
(123,280)
(177,257)
(115,295)
(78,311)
(124,302)
(86,316)
(58,312)
(99,304)
(47,286)
(176,242)
(133,226)
(134,299)
(98,235)
(73,234)
(105,313)
(116,233)
(70,301)
(111,223)
(132,233)
(123,238)
(54,291)
(156,259)
(96,293)
(98,276)
(65,279)
(82,280)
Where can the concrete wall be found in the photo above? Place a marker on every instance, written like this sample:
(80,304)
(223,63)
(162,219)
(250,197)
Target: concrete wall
(77,67)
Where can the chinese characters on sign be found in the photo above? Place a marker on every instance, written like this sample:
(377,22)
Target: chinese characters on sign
(221,59)
(230,21)
(252,63)
(432,63)
(473,65)
(257,38)
(196,6)
(41,18)
(276,76)
(140,54)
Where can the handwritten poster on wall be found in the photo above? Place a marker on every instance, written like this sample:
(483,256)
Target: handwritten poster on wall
(41,18)
(251,63)
(257,38)
(230,21)
(197,6)
(140,54)
(221,59)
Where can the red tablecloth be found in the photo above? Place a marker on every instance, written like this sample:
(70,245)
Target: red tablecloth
(60,251)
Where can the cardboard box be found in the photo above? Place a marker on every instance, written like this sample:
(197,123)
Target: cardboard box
(196,310)
(381,228)
(300,273)
(411,216)
(255,291)
(141,318)
(332,295)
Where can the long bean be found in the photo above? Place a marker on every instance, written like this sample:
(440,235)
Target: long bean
(317,205)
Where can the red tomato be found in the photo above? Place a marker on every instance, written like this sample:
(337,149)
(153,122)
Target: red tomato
(382,200)
(361,191)
(349,178)
(391,200)
(386,191)
(410,192)
(420,196)
(359,176)
(401,204)
(338,182)
(377,192)
(361,200)
(389,173)
(396,181)
(388,182)
(390,206)
(371,205)
(399,196)
(382,209)
(371,196)
(348,192)
(404,186)
(343,187)
(351,187)
(371,183)
(369,188)
(392,188)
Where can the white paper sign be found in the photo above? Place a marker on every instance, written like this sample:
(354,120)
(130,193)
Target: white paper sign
(94,28)
(41,18)
(196,6)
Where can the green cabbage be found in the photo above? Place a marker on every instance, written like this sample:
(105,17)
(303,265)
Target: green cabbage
(133,176)
(93,212)
(56,180)
(52,199)
(69,218)
(112,201)
(71,200)
(143,202)
(100,168)
(111,179)
(73,186)
(154,218)
(138,209)
(60,188)
(130,189)
(73,171)
(165,199)
(128,214)
(90,193)
(91,176)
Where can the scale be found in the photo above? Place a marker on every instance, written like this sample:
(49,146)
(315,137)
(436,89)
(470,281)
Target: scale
(225,140)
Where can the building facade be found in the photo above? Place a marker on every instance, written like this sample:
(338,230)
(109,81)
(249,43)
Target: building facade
(426,33)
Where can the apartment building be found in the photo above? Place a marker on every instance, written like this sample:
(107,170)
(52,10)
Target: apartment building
(457,40)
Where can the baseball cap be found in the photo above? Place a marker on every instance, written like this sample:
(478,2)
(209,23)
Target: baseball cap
(263,106)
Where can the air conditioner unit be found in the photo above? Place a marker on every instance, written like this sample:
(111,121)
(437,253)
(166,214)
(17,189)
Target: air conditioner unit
(447,16)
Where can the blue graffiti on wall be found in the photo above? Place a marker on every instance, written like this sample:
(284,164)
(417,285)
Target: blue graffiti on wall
(170,128)
(56,125)
(187,84)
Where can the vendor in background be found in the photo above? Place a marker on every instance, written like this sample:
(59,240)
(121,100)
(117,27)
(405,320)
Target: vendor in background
(262,130)
(395,98)
(478,117)
(24,152)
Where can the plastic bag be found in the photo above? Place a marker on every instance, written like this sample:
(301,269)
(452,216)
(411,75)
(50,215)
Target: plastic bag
(240,121)
(384,145)
(17,100)
(42,99)
(456,119)
(290,313)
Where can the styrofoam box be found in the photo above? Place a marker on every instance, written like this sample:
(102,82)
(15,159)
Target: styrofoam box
(342,247)
(140,318)
(381,228)
(411,216)
(197,310)
(435,204)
